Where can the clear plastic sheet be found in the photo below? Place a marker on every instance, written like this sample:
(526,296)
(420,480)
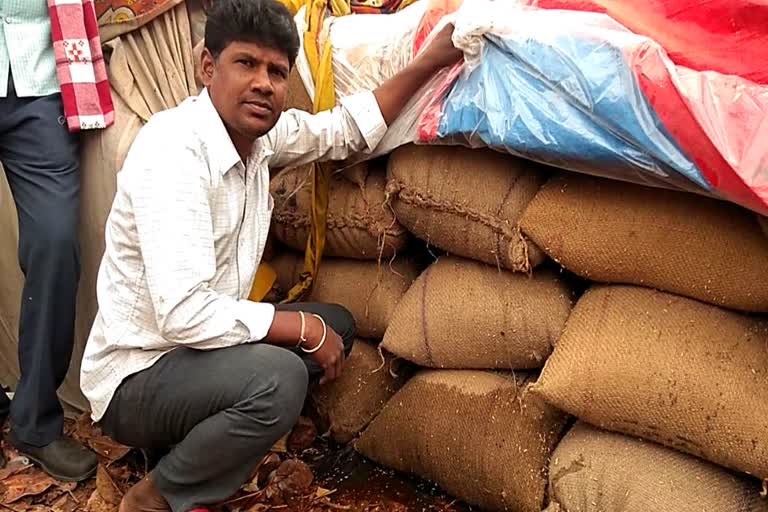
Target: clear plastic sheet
(580,91)
(368,49)
(571,88)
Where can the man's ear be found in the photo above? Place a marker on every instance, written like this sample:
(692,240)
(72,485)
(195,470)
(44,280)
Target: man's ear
(207,63)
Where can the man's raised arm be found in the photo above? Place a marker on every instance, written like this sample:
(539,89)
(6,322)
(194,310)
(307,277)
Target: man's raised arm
(360,120)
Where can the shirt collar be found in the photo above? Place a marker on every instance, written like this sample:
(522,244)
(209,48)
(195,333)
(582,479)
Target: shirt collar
(220,150)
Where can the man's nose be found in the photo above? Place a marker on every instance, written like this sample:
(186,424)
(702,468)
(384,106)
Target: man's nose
(260,81)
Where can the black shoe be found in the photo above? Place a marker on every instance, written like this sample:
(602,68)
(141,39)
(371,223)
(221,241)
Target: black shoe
(64,459)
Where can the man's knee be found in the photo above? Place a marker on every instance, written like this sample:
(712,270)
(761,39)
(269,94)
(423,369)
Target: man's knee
(279,392)
(53,239)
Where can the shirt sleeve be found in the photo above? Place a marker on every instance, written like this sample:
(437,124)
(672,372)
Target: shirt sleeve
(172,214)
(298,138)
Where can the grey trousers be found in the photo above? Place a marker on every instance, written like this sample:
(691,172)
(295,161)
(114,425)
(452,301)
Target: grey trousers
(220,410)
(41,161)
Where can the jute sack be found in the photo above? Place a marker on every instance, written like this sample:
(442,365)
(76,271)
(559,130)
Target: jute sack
(597,471)
(369,290)
(464,314)
(360,223)
(297,96)
(614,232)
(466,201)
(347,405)
(665,368)
(479,435)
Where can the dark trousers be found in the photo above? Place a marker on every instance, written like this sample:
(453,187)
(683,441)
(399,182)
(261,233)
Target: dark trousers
(40,157)
(221,410)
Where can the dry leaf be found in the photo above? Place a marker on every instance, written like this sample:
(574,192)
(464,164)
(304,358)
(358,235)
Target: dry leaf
(281,446)
(13,467)
(303,435)
(26,484)
(89,433)
(322,493)
(98,504)
(107,487)
(107,448)
(66,486)
(63,504)
(54,492)
(120,473)
(82,428)
(83,491)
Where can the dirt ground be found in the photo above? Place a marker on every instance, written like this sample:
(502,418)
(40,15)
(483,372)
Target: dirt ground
(303,473)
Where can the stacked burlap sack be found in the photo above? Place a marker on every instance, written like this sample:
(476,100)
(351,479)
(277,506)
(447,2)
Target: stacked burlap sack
(664,358)
(669,345)
(479,322)
(364,268)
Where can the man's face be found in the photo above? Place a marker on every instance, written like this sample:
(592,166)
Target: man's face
(247,85)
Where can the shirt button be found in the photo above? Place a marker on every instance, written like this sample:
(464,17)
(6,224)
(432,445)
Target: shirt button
(8,20)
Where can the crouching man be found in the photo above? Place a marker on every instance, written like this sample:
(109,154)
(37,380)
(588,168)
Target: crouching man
(178,357)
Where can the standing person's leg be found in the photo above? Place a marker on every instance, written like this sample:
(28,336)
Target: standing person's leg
(221,410)
(41,162)
(337,317)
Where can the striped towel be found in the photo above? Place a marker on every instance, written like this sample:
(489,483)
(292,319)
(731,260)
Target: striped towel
(80,66)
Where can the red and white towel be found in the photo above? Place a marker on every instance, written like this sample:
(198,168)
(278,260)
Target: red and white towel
(80,66)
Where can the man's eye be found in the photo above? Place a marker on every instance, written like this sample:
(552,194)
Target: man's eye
(245,62)
(279,73)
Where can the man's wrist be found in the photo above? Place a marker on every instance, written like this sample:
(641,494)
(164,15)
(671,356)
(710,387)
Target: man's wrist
(425,65)
(314,332)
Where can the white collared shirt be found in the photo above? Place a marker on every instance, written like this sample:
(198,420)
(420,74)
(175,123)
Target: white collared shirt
(187,230)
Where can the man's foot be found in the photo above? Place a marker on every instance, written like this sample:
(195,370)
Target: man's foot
(64,459)
(144,497)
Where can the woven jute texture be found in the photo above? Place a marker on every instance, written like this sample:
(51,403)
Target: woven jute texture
(466,201)
(479,435)
(369,290)
(296,96)
(666,368)
(347,405)
(614,232)
(360,223)
(463,314)
(594,470)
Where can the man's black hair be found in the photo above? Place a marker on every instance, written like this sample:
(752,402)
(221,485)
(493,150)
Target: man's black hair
(264,22)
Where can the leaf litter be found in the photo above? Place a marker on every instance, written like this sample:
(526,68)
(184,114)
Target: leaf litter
(286,479)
